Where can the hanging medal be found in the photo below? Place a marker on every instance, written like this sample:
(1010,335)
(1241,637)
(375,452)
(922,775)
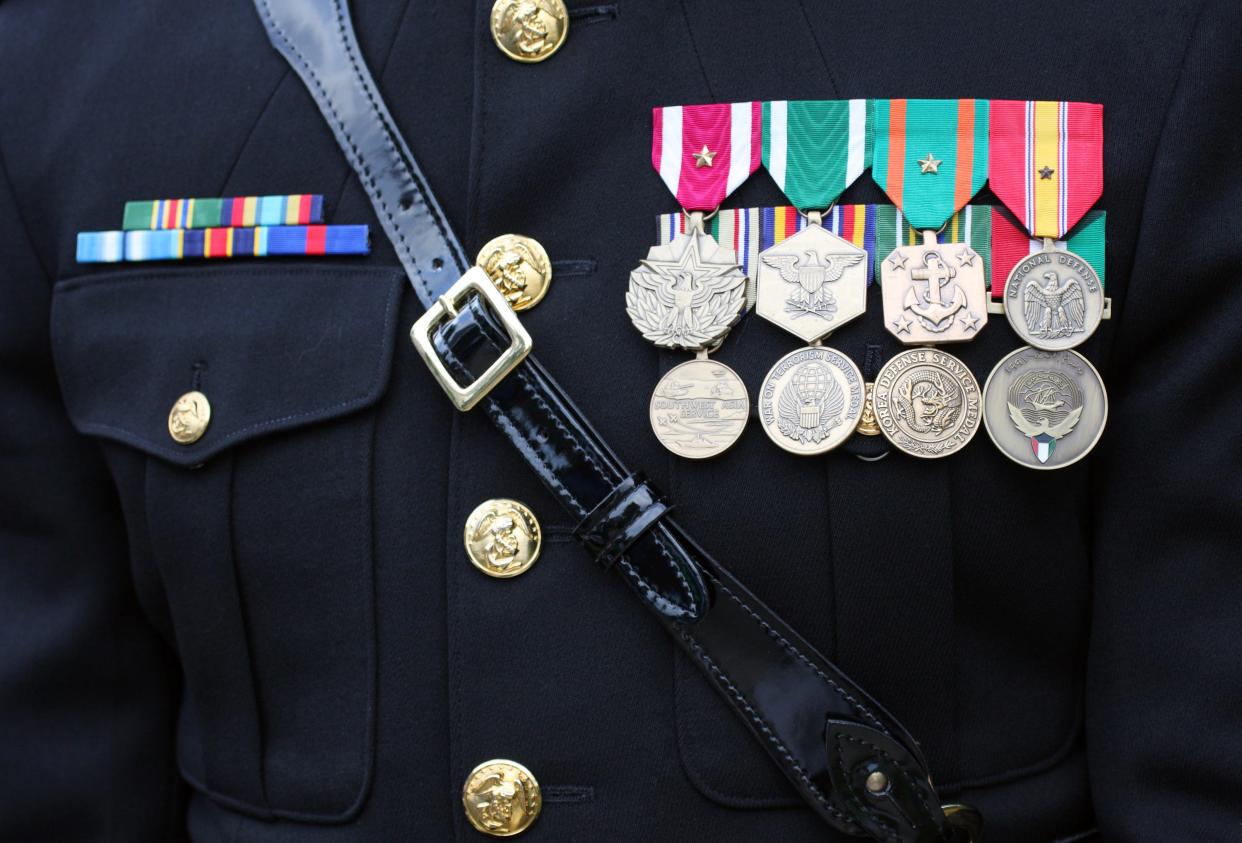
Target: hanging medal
(1047,166)
(930,158)
(687,295)
(1045,405)
(814,281)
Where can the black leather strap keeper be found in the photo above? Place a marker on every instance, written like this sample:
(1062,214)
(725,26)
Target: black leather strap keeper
(823,731)
(630,510)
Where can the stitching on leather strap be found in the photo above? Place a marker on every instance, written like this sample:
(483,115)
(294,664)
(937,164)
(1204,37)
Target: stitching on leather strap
(853,797)
(700,653)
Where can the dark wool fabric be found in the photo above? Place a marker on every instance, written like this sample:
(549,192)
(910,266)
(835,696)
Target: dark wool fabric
(275,635)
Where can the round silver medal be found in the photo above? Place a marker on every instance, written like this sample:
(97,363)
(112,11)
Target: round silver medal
(811,400)
(927,403)
(699,409)
(1045,409)
(1053,299)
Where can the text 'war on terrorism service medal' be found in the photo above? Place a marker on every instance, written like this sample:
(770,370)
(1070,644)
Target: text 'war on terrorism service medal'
(1047,167)
(1045,409)
(930,157)
(689,293)
(814,281)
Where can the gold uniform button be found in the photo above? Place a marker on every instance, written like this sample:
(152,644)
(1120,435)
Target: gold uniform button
(502,538)
(501,798)
(529,30)
(189,417)
(519,267)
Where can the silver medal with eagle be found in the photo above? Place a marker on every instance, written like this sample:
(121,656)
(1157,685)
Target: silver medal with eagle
(1053,299)
(687,295)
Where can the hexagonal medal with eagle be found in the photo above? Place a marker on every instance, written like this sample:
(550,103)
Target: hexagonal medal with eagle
(812,283)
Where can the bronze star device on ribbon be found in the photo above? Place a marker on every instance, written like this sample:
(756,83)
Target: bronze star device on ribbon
(688,294)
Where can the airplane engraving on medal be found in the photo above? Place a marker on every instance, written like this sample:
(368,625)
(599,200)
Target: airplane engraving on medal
(1054,309)
(699,409)
(1045,406)
(811,404)
(809,276)
(928,304)
(687,294)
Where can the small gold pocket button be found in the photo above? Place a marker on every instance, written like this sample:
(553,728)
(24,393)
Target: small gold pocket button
(529,30)
(502,538)
(189,417)
(501,798)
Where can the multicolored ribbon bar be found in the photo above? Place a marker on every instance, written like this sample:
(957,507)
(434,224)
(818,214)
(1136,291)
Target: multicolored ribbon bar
(704,152)
(970,226)
(815,149)
(1046,161)
(931,156)
(260,241)
(1010,244)
(236,211)
(748,231)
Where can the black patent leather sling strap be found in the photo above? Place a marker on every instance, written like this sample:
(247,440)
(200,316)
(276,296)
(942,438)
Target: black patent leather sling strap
(852,762)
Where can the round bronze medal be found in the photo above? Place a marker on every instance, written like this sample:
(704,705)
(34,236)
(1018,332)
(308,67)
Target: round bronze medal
(1045,409)
(811,400)
(699,409)
(927,403)
(1053,299)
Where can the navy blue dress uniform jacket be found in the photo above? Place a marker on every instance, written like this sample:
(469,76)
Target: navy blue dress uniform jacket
(284,641)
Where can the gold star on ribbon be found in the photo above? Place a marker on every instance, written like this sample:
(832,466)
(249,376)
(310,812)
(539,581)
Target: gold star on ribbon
(1046,172)
(930,164)
(703,158)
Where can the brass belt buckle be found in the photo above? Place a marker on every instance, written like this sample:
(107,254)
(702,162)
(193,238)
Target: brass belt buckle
(445,308)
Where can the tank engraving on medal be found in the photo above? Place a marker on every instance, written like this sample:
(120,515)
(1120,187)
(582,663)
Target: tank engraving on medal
(501,798)
(699,409)
(811,400)
(934,293)
(1053,299)
(687,294)
(811,283)
(927,403)
(1045,409)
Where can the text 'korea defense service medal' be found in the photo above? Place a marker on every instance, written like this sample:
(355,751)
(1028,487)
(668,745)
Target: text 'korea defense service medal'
(1045,409)
(1047,167)
(689,293)
(814,281)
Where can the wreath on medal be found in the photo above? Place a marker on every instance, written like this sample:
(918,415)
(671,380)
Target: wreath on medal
(684,310)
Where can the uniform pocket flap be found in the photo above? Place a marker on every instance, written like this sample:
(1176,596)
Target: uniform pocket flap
(272,348)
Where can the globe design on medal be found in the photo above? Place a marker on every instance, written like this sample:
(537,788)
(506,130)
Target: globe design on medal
(811,400)
(811,404)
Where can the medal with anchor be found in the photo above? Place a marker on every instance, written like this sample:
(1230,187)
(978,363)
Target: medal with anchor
(814,281)
(688,294)
(930,158)
(1046,164)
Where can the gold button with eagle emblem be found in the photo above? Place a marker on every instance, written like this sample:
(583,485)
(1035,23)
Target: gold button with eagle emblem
(501,798)
(189,417)
(519,267)
(529,30)
(502,538)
